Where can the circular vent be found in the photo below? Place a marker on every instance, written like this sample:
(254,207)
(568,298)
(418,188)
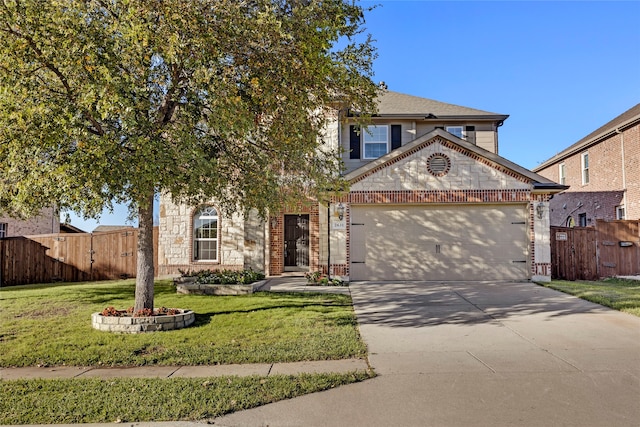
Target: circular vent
(438,164)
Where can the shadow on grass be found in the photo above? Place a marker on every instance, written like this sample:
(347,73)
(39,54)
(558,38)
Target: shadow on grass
(205,318)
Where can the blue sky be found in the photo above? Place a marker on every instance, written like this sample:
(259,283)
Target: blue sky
(560,69)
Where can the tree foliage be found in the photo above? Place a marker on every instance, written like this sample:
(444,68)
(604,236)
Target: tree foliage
(107,100)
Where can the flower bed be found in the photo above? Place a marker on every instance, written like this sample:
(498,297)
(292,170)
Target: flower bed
(126,321)
(219,282)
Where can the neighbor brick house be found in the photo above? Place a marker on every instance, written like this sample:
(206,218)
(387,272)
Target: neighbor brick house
(48,221)
(430,199)
(602,171)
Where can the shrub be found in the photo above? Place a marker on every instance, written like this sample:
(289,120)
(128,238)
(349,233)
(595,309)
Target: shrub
(224,277)
(316,278)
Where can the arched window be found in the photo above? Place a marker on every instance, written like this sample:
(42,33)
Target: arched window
(205,234)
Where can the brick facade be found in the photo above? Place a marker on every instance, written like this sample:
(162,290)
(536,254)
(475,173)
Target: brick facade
(614,174)
(47,222)
(276,238)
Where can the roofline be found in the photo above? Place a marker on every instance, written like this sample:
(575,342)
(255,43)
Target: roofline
(431,117)
(545,186)
(538,181)
(593,141)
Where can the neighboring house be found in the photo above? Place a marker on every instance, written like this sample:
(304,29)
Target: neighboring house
(430,199)
(70,229)
(48,221)
(602,171)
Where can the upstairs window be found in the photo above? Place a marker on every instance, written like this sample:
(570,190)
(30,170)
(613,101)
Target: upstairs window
(375,141)
(585,168)
(562,173)
(205,234)
(3,230)
(620,212)
(456,131)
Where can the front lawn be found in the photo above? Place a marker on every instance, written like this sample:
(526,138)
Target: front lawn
(619,294)
(50,325)
(135,400)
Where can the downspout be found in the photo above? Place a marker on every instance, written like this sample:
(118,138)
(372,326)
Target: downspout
(624,175)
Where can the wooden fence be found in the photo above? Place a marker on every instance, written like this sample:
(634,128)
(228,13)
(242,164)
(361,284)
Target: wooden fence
(70,257)
(611,248)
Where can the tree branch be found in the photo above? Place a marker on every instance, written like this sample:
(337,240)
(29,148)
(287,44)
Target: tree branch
(97,128)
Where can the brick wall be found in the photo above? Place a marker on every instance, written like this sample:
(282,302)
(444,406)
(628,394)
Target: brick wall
(276,238)
(632,169)
(47,222)
(598,198)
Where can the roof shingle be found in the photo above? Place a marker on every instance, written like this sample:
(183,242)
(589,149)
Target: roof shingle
(395,103)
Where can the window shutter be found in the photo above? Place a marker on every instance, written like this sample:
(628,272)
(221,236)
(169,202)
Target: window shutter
(354,142)
(396,136)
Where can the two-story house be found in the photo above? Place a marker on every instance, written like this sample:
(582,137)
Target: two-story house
(429,199)
(48,221)
(602,171)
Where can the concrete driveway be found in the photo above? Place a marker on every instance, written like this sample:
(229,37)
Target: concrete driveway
(478,354)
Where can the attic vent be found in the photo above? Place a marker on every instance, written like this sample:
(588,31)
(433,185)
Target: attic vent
(438,164)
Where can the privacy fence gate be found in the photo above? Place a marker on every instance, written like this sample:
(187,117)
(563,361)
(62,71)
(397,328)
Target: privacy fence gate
(611,248)
(70,257)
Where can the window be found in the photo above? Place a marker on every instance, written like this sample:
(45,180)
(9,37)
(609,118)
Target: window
(456,131)
(619,212)
(205,234)
(562,173)
(582,220)
(585,168)
(3,230)
(375,141)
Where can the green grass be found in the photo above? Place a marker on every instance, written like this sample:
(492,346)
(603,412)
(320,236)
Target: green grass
(132,400)
(619,294)
(50,325)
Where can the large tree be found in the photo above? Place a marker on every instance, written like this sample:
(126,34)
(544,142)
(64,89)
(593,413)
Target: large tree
(105,101)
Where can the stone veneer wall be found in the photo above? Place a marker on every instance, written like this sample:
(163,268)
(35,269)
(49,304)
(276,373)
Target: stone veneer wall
(175,242)
(337,265)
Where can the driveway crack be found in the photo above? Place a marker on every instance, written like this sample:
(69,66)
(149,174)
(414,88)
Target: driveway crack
(481,361)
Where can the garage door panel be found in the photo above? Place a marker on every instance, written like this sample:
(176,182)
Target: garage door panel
(439,243)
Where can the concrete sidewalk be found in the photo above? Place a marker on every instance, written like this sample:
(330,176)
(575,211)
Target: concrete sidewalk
(261,369)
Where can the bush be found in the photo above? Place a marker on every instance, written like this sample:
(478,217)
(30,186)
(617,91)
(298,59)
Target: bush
(316,278)
(224,277)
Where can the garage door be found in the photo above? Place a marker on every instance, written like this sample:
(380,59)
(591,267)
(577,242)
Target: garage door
(462,242)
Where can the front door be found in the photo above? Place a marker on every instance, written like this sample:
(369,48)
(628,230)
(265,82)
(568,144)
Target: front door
(296,242)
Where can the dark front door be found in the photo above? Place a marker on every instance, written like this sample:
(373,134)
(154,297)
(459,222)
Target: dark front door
(296,241)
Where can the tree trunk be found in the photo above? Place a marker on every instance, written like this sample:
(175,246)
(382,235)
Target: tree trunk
(145,269)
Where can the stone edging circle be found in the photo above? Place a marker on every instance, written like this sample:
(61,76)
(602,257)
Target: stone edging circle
(135,325)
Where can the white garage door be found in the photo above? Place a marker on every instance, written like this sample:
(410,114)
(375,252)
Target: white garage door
(418,242)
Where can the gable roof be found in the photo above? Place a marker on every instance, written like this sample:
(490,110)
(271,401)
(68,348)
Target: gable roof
(539,182)
(399,104)
(629,118)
